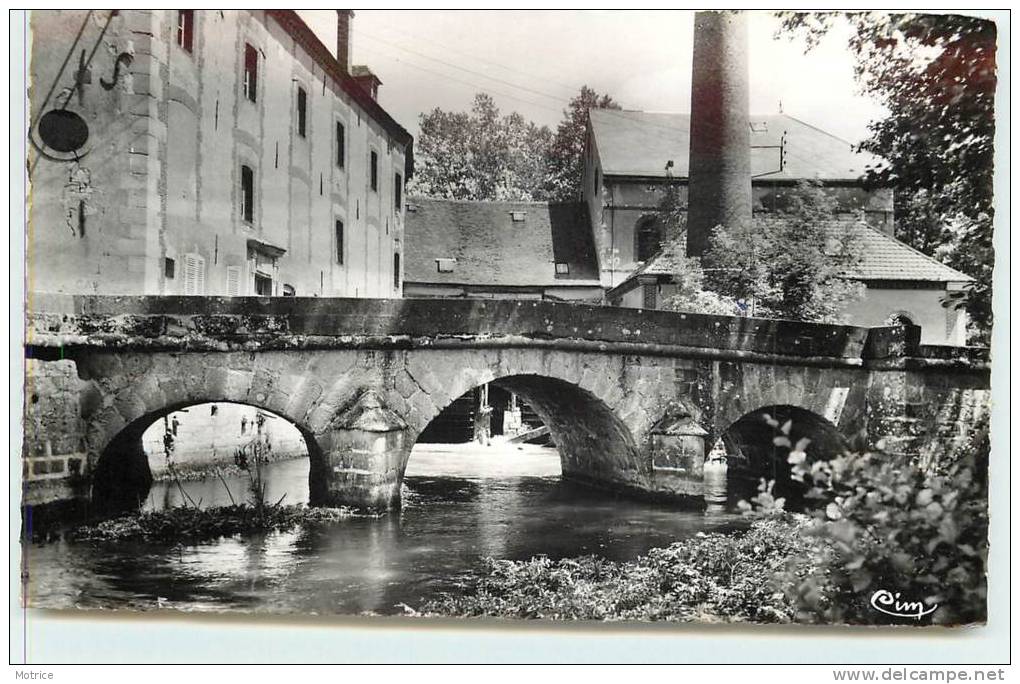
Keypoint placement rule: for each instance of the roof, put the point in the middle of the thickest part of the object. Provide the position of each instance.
(491, 248)
(882, 258)
(886, 258)
(304, 36)
(632, 143)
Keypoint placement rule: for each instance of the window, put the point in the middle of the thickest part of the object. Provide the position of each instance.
(233, 281)
(251, 72)
(445, 265)
(396, 270)
(339, 230)
(263, 285)
(562, 268)
(398, 191)
(649, 296)
(247, 194)
(647, 239)
(597, 179)
(518, 216)
(169, 266)
(374, 169)
(186, 29)
(288, 290)
(194, 274)
(302, 108)
(340, 144)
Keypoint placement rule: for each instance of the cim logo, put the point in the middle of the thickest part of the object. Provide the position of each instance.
(886, 602)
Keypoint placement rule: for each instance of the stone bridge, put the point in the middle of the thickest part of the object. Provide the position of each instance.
(634, 399)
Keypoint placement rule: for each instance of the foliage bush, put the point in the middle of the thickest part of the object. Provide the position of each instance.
(710, 577)
(888, 525)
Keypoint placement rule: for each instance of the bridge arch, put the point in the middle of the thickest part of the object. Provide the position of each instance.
(121, 476)
(753, 455)
(593, 441)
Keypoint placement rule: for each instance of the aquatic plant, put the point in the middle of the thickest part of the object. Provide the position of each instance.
(184, 523)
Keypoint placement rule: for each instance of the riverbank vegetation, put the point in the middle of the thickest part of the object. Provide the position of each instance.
(884, 536)
(190, 523)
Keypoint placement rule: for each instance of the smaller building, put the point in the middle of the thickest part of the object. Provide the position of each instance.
(506, 250)
(901, 285)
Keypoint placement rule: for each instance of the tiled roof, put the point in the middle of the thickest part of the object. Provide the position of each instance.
(490, 248)
(882, 257)
(886, 258)
(634, 143)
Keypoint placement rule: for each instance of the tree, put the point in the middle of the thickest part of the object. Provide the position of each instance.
(480, 155)
(935, 74)
(691, 294)
(793, 264)
(566, 154)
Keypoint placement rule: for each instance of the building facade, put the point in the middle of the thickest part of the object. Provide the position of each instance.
(208, 152)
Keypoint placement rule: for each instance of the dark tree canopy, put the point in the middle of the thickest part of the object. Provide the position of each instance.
(566, 154)
(935, 73)
(484, 155)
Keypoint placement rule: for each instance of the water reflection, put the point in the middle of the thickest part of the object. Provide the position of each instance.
(448, 523)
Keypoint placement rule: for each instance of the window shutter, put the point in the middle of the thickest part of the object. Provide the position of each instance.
(189, 274)
(200, 277)
(194, 274)
(233, 281)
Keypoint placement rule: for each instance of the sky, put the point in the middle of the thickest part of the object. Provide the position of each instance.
(533, 62)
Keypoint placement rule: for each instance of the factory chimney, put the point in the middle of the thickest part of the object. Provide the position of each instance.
(343, 39)
(720, 158)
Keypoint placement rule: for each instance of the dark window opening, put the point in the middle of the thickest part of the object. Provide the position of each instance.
(186, 29)
(650, 296)
(339, 145)
(169, 268)
(263, 286)
(596, 181)
(251, 72)
(374, 170)
(339, 228)
(648, 239)
(396, 270)
(288, 290)
(247, 194)
(398, 191)
(302, 108)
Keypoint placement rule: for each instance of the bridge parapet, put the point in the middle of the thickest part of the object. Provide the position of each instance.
(252, 323)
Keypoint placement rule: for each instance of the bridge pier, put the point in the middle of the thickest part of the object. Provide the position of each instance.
(362, 457)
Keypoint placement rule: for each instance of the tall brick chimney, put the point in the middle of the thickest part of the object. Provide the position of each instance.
(720, 163)
(343, 39)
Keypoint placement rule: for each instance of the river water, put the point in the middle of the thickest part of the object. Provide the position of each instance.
(460, 504)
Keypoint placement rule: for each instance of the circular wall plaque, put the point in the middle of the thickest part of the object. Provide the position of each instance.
(63, 131)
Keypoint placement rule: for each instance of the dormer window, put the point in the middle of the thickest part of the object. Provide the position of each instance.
(518, 216)
(445, 265)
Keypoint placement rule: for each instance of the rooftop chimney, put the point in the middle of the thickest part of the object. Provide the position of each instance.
(343, 39)
(720, 162)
